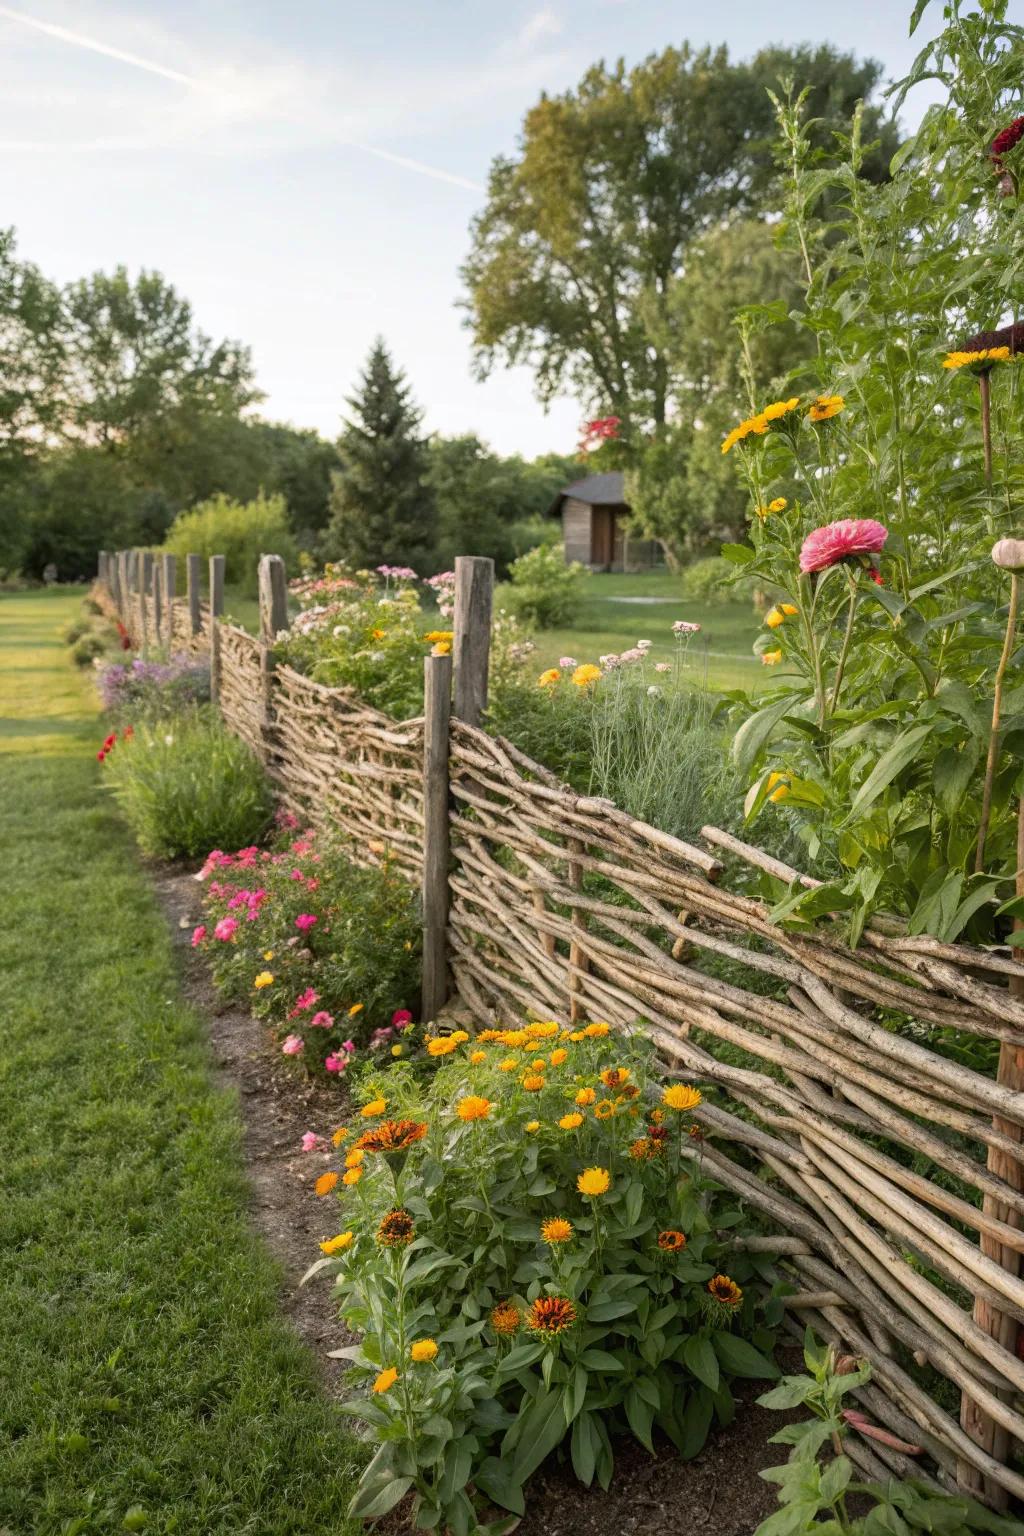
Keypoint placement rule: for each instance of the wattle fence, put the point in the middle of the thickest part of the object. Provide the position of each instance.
(888, 1176)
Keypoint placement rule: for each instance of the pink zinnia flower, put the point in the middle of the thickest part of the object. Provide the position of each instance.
(198, 935)
(226, 929)
(305, 1000)
(401, 1018)
(322, 1020)
(293, 1045)
(837, 541)
(305, 920)
(335, 1063)
(310, 1141)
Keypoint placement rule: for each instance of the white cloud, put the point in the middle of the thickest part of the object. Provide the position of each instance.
(542, 24)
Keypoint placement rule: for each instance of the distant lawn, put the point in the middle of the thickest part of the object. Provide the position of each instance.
(728, 630)
(147, 1378)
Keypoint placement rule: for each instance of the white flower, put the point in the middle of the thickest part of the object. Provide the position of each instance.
(643, 645)
(169, 741)
(662, 666)
(654, 692)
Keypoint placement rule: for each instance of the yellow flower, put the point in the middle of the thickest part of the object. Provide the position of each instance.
(396, 1050)
(604, 1110)
(436, 636)
(476, 1057)
(770, 658)
(422, 1350)
(778, 786)
(533, 1082)
(585, 675)
(442, 1046)
(514, 1037)
(264, 979)
(549, 678)
(538, 1065)
(571, 1122)
(509, 1064)
(340, 1134)
(505, 1317)
(594, 1181)
(442, 648)
(576, 1035)
(378, 634)
(778, 409)
(780, 614)
(337, 1244)
(556, 1229)
(557, 1057)
(778, 504)
(375, 1107)
(268, 954)
(487, 1035)
(386, 1380)
(541, 1030)
(585, 1096)
(325, 1183)
(531, 1126)
(355, 1157)
(755, 424)
(356, 1008)
(352, 1177)
(597, 1031)
(681, 1096)
(826, 406)
(725, 1291)
(614, 1077)
(472, 1107)
(986, 355)
(459, 1036)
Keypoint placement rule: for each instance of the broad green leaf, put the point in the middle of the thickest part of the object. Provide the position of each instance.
(378, 1498)
(740, 1358)
(738, 554)
(757, 728)
(700, 1358)
(495, 1478)
(584, 1448)
(542, 1427)
(892, 762)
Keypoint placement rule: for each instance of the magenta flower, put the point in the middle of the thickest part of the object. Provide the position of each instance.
(305, 920)
(838, 541)
(335, 1063)
(322, 1020)
(401, 1018)
(198, 935)
(293, 1045)
(310, 1141)
(304, 1000)
(226, 929)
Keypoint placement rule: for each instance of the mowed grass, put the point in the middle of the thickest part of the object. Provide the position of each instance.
(147, 1379)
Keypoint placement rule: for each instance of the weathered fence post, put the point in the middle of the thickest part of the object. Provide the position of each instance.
(216, 609)
(474, 598)
(170, 564)
(192, 576)
(437, 700)
(122, 586)
(158, 607)
(145, 579)
(273, 618)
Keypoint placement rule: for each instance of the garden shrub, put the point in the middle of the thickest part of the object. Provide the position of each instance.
(185, 784)
(325, 950)
(138, 689)
(88, 647)
(529, 1249)
(240, 531)
(545, 591)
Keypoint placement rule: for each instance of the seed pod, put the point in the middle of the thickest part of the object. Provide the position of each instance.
(1008, 554)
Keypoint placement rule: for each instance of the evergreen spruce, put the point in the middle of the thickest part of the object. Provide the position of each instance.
(382, 508)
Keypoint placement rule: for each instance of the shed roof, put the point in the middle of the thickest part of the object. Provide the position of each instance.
(607, 490)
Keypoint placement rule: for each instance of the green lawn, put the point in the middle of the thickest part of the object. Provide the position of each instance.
(606, 623)
(144, 1366)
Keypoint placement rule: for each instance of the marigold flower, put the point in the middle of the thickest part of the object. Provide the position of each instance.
(681, 1096)
(979, 361)
(476, 1057)
(725, 1291)
(753, 424)
(516, 1038)
(641, 1150)
(614, 1077)
(352, 1177)
(472, 1107)
(264, 979)
(559, 1056)
(435, 636)
(585, 1097)
(325, 1183)
(778, 409)
(770, 658)
(604, 1110)
(541, 1029)
(551, 1314)
(386, 1380)
(671, 1241)
(597, 1031)
(571, 1122)
(585, 675)
(594, 1181)
(531, 1126)
(780, 614)
(396, 1229)
(442, 1046)
(556, 1230)
(538, 1065)
(487, 1035)
(533, 1082)
(778, 504)
(340, 1134)
(423, 1350)
(375, 1107)
(506, 1317)
(824, 407)
(509, 1064)
(841, 540)
(398, 1050)
(390, 1136)
(549, 678)
(357, 1154)
(337, 1244)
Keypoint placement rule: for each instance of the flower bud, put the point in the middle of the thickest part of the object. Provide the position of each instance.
(1008, 554)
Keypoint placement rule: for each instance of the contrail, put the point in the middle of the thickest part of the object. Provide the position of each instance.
(76, 40)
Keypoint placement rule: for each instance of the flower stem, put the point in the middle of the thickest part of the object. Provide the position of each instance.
(848, 636)
(997, 704)
(986, 424)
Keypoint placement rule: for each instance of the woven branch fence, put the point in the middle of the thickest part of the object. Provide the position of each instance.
(888, 1177)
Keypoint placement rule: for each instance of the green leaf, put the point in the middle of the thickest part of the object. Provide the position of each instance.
(584, 1448)
(606, 1311)
(377, 1498)
(541, 1428)
(740, 1358)
(835, 1478)
(696, 1423)
(791, 1391)
(891, 763)
(756, 729)
(495, 1478)
(600, 1360)
(738, 554)
(700, 1358)
(640, 1417)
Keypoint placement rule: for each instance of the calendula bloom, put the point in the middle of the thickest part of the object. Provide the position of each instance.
(423, 1350)
(549, 678)
(979, 361)
(442, 648)
(541, 1029)
(778, 786)
(472, 1107)
(386, 1380)
(614, 1077)
(509, 1064)
(396, 1229)
(824, 407)
(442, 1046)
(585, 675)
(325, 1183)
(487, 1035)
(340, 1134)
(770, 658)
(642, 1149)
(398, 1050)
(550, 1314)
(355, 1158)
(352, 1177)
(337, 1244)
(532, 1126)
(390, 1136)
(604, 1110)
(436, 636)
(777, 504)
(594, 1181)
(585, 1097)
(516, 1038)
(681, 1096)
(506, 1318)
(538, 1064)
(597, 1031)
(848, 537)
(671, 1241)
(559, 1056)
(556, 1230)
(571, 1122)
(533, 1082)
(725, 1291)
(757, 425)
(264, 979)
(780, 614)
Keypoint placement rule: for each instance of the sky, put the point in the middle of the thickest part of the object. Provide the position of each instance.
(306, 172)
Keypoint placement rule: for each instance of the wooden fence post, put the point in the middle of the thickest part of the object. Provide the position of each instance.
(170, 564)
(122, 586)
(474, 597)
(145, 581)
(158, 606)
(192, 574)
(216, 609)
(273, 618)
(437, 699)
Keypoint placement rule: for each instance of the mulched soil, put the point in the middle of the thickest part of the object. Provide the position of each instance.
(719, 1490)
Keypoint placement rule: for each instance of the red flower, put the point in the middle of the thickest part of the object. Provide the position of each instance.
(837, 541)
(1008, 139)
(110, 741)
(100, 756)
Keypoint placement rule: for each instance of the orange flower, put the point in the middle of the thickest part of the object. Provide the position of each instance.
(725, 1291)
(681, 1096)
(472, 1107)
(550, 1314)
(557, 1057)
(325, 1183)
(585, 1097)
(353, 1176)
(671, 1241)
(533, 1082)
(556, 1229)
(391, 1136)
(375, 1107)
(506, 1317)
(396, 1229)
(386, 1380)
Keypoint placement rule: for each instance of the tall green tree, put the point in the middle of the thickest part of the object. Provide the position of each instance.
(587, 228)
(382, 508)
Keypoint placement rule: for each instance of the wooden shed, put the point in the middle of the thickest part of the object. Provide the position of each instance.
(594, 515)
